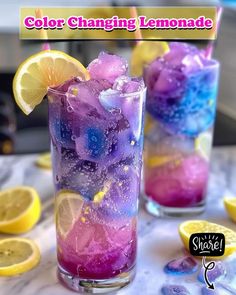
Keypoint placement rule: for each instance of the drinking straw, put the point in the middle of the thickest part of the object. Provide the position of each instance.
(210, 47)
(137, 32)
(43, 32)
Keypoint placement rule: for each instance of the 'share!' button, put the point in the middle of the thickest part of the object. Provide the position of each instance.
(207, 244)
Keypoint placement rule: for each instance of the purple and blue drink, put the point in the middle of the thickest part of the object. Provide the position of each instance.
(181, 105)
(96, 129)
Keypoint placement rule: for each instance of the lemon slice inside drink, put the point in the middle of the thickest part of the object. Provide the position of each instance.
(44, 161)
(144, 53)
(17, 255)
(203, 145)
(230, 206)
(40, 71)
(157, 161)
(20, 209)
(187, 228)
(67, 211)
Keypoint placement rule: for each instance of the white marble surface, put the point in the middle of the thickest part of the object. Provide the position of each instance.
(159, 241)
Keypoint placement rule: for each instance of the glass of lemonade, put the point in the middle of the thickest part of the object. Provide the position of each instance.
(96, 129)
(181, 104)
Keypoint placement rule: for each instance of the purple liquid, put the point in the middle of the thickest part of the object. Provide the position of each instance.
(96, 131)
(181, 102)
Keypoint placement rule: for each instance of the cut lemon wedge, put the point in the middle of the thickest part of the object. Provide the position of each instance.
(17, 255)
(44, 161)
(144, 53)
(20, 209)
(40, 71)
(67, 211)
(187, 228)
(230, 206)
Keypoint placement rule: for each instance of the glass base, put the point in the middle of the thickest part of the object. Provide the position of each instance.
(95, 286)
(160, 211)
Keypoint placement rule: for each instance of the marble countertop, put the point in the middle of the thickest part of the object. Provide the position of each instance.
(159, 241)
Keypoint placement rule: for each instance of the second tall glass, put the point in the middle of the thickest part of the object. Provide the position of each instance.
(181, 104)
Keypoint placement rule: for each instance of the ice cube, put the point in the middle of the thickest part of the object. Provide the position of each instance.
(207, 291)
(92, 143)
(178, 51)
(83, 97)
(217, 273)
(125, 84)
(181, 266)
(192, 63)
(108, 66)
(121, 198)
(169, 80)
(120, 82)
(110, 99)
(174, 290)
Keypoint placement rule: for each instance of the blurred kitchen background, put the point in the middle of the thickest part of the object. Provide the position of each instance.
(26, 134)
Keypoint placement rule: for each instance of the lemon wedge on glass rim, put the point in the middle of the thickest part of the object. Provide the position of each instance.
(187, 228)
(20, 209)
(145, 52)
(42, 70)
(17, 255)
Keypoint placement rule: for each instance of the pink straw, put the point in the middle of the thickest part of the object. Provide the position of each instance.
(138, 33)
(210, 48)
(43, 33)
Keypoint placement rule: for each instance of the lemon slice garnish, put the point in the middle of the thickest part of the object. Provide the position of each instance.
(17, 255)
(144, 53)
(40, 71)
(203, 145)
(67, 211)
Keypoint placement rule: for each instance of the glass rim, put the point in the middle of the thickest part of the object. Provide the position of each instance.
(66, 93)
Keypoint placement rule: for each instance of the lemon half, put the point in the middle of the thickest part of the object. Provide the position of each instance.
(230, 206)
(20, 209)
(44, 161)
(187, 228)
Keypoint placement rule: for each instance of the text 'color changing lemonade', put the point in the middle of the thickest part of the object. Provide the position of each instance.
(181, 103)
(96, 129)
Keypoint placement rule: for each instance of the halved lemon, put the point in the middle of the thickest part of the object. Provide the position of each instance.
(44, 161)
(67, 211)
(203, 145)
(17, 255)
(187, 228)
(230, 206)
(20, 209)
(40, 71)
(144, 53)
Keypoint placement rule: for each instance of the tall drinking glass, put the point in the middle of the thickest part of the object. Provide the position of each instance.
(96, 143)
(181, 104)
